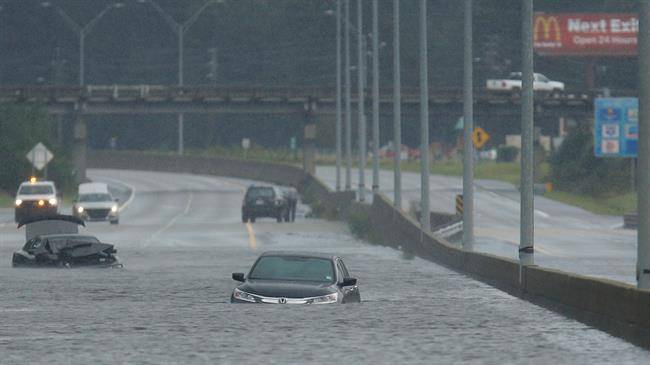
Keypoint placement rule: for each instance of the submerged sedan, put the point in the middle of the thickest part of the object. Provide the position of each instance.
(296, 278)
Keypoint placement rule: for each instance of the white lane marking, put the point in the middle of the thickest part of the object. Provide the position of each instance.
(252, 241)
(544, 215)
(173, 220)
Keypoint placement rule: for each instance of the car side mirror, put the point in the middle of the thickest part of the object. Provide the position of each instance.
(238, 276)
(349, 282)
(116, 200)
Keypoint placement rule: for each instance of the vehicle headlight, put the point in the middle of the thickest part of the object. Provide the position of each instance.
(41, 203)
(242, 295)
(326, 299)
(18, 202)
(80, 209)
(52, 201)
(114, 209)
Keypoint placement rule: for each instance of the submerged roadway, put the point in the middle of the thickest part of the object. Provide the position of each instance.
(180, 237)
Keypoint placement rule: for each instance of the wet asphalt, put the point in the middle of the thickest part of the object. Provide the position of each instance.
(181, 237)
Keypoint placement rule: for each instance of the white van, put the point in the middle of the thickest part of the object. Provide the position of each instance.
(95, 203)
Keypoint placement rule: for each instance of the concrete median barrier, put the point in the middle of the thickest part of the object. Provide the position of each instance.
(617, 308)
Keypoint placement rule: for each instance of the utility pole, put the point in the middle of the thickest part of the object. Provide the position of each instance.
(375, 96)
(468, 126)
(397, 108)
(425, 218)
(213, 66)
(57, 79)
(361, 50)
(348, 100)
(527, 220)
(339, 115)
(643, 192)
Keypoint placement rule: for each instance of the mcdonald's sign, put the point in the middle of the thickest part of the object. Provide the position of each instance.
(583, 34)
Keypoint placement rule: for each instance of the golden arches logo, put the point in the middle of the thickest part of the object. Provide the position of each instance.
(546, 24)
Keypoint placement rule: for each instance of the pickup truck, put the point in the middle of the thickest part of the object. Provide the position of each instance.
(513, 83)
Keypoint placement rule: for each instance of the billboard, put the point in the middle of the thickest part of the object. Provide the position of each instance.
(585, 34)
(616, 129)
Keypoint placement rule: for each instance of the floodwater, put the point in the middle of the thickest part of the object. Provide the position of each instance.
(181, 237)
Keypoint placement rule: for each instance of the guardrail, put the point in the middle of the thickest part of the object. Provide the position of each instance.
(153, 93)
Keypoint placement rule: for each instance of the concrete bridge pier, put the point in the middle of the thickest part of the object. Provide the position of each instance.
(80, 135)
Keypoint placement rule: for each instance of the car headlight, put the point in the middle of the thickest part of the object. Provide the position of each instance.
(41, 203)
(242, 295)
(326, 299)
(114, 209)
(52, 201)
(18, 202)
(80, 209)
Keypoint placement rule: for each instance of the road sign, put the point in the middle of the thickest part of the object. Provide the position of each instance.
(39, 156)
(480, 137)
(616, 129)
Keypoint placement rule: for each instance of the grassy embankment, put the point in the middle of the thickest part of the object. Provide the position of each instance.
(508, 172)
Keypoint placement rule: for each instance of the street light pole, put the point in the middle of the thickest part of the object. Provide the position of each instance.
(527, 237)
(643, 211)
(425, 219)
(375, 97)
(361, 48)
(338, 95)
(179, 29)
(468, 126)
(82, 32)
(348, 100)
(397, 108)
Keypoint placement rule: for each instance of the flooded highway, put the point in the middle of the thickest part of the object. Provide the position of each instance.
(180, 238)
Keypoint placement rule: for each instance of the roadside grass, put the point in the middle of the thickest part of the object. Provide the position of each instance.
(500, 171)
(6, 200)
(612, 205)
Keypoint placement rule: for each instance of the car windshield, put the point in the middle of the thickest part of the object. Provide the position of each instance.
(515, 76)
(293, 268)
(35, 190)
(260, 193)
(98, 197)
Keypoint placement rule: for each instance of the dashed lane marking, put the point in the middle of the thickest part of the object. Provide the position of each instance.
(173, 220)
(251, 236)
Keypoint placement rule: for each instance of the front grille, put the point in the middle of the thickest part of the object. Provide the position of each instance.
(97, 213)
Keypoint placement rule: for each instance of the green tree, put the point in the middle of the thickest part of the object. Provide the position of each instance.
(575, 168)
(21, 127)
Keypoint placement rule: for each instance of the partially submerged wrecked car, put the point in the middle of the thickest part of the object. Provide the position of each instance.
(55, 242)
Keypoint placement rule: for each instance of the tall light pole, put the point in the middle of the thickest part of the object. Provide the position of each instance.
(348, 100)
(397, 107)
(468, 126)
(82, 31)
(180, 29)
(338, 95)
(361, 51)
(425, 219)
(375, 96)
(643, 238)
(527, 237)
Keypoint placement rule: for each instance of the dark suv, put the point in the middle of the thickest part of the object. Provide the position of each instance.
(263, 201)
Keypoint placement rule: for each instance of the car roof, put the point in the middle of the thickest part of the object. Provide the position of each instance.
(49, 183)
(317, 255)
(91, 188)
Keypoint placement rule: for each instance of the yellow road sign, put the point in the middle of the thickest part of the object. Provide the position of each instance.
(480, 137)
